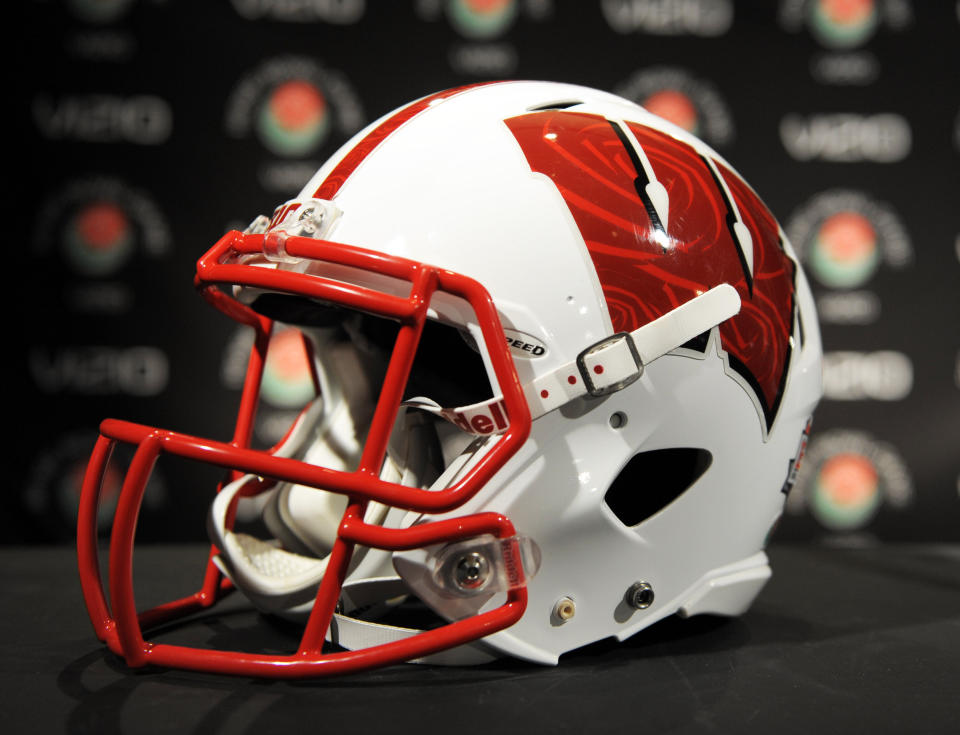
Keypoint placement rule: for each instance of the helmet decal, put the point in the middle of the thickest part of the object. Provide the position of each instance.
(654, 251)
(348, 164)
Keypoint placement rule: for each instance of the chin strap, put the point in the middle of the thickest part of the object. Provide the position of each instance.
(604, 367)
(376, 596)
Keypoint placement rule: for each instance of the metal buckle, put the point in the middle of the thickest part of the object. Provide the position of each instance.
(588, 380)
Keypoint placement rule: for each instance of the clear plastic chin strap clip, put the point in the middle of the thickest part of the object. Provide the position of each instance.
(312, 218)
(485, 565)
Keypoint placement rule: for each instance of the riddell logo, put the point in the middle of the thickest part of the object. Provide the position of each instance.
(688, 102)
(669, 17)
(481, 20)
(847, 477)
(489, 419)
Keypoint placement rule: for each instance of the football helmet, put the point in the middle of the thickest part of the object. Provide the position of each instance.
(565, 362)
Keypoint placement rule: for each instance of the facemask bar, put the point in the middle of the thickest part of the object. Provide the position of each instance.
(121, 626)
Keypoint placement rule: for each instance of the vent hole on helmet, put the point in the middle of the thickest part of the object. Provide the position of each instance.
(650, 481)
(563, 105)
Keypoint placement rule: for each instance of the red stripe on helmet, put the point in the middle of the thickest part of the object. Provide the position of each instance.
(348, 164)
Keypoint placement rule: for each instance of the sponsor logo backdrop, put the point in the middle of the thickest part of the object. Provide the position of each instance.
(146, 128)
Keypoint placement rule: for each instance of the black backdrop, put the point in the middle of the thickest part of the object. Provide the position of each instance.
(145, 128)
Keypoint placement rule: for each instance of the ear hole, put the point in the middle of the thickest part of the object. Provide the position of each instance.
(650, 481)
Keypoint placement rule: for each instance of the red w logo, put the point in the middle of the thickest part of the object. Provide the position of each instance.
(664, 223)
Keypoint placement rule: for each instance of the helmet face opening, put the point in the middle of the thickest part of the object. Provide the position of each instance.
(554, 363)
(279, 579)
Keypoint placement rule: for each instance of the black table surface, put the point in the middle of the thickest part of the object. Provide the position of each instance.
(842, 640)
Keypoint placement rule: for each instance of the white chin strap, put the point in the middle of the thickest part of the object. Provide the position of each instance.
(377, 595)
(604, 367)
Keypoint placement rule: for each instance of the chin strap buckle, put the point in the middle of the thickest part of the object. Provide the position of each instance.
(610, 365)
(604, 367)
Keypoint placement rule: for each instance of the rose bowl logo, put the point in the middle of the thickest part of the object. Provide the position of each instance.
(287, 376)
(481, 20)
(844, 237)
(293, 119)
(844, 251)
(675, 106)
(683, 99)
(98, 222)
(287, 384)
(294, 107)
(846, 479)
(846, 492)
(51, 494)
(98, 238)
(95, 227)
(842, 24)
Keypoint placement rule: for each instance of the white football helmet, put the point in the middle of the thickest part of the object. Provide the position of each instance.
(565, 361)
